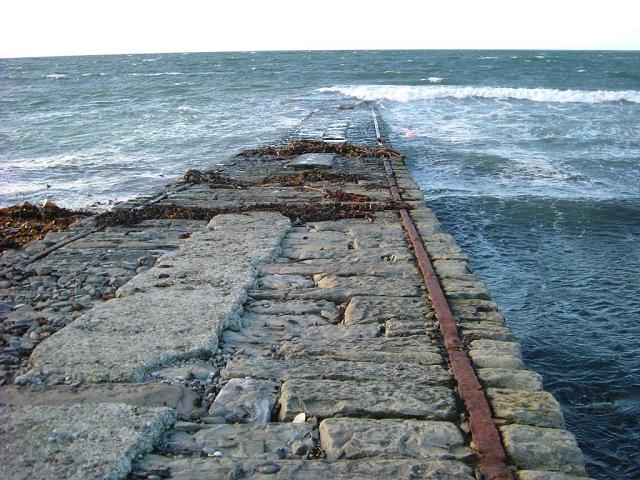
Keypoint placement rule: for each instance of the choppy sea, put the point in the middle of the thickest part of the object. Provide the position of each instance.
(531, 159)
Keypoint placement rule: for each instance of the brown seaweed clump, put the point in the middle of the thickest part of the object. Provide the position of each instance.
(299, 179)
(19, 224)
(212, 178)
(345, 149)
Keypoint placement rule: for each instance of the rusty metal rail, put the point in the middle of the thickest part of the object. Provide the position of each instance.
(486, 439)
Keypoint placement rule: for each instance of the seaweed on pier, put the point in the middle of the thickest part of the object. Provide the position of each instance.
(345, 149)
(301, 178)
(296, 211)
(19, 224)
(212, 178)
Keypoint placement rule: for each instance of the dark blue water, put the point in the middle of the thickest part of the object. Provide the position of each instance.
(530, 159)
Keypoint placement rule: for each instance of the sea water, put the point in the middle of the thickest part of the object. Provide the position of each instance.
(531, 159)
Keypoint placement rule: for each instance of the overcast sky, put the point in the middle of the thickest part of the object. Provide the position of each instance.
(80, 27)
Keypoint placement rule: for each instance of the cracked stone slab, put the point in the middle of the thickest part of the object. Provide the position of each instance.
(245, 401)
(352, 438)
(90, 441)
(538, 408)
(158, 320)
(329, 369)
(190, 468)
(329, 398)
(372, 309)
(274, 441)
(538, 448)
(183, 400)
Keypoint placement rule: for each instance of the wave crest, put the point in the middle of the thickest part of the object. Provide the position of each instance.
(408, 93)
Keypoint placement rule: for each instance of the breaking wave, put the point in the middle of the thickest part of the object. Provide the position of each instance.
(407, 93)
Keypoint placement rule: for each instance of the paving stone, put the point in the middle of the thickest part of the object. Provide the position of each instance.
(314, 160)
(537, 408)
(329, 369)
(352, 438)
(396, 328)
(485, 330)
(396, 287)
(289, 307)
(539, 475)
(495, 354)
(463, 288)
(537, 448)
(510, 379)
(245, 401)
(184, 400)
(313, 267)
(191, 468)
(121, 339)
(328, 398)
(415, 349)
(90, 441)
(451, 267)
(279, 282)
(274, 441)
(371, 309)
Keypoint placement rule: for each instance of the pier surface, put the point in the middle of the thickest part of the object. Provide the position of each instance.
(266, 319)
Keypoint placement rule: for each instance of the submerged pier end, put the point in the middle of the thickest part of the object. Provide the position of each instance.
(296, 312)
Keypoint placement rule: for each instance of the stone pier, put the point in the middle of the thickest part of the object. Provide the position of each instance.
(265, 319)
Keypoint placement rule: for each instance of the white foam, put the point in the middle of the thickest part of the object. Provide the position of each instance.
(157, 74)
(408, 93)
(186, 108)
(56, 75)
(435, 79)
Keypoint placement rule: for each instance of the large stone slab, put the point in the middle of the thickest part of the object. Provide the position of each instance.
(245, 400)
(313, 160)
(415, 349)
(526, 407)
(159, 319)
(351, 438)
(496, 354)
(330, 369)
(537, 448)
(319, 266)
(329, 398)
(373, 309)
(540, 475)
(77, 441)
(183, 400)
(274, 441)
(508, 378)
(191, 468)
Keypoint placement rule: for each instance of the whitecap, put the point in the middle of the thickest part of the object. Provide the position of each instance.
(187, 108)
(408, 93)
(435, 79)
(56, 75)
(156, 74)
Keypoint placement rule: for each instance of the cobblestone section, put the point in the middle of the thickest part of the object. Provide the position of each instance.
(304, 348)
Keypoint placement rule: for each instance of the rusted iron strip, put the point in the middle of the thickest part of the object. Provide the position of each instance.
(486, 439)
